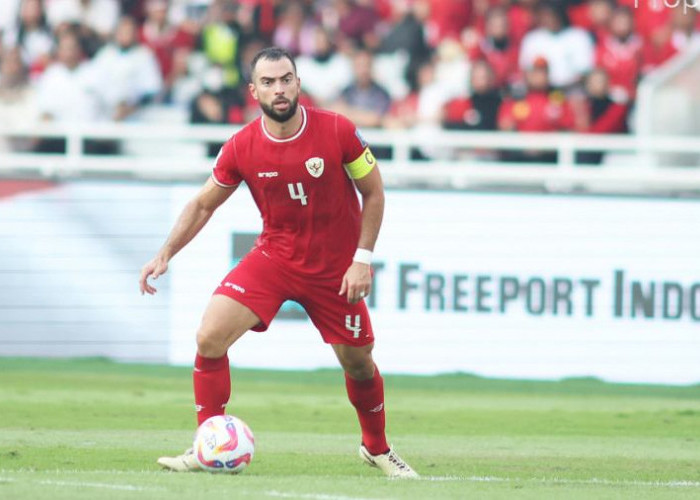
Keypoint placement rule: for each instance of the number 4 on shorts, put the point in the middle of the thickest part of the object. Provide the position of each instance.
(353, 326)
(297, 192)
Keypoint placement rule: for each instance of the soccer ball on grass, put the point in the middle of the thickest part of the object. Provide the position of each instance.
(224, 443)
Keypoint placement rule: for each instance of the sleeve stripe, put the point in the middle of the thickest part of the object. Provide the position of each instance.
(221, 184)
(362, 165)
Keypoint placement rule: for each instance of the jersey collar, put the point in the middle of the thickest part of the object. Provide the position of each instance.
(290, 138)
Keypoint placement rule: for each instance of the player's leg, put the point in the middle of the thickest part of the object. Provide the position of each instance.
(224, 322)
(365, 388)
(347, 327)
(248, 298)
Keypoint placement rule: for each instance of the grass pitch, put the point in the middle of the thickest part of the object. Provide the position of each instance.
(93, 429)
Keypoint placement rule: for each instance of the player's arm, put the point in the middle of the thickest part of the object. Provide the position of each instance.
(192, 219)
(357, 282)
(371, 189)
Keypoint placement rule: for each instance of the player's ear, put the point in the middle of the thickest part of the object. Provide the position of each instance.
(253, 91)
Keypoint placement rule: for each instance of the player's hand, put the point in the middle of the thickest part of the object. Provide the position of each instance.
(357, 282)
(156, 267)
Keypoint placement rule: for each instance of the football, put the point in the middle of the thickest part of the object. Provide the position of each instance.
(224, 443)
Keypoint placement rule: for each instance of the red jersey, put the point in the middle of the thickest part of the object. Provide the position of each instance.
(504, 63)
(536, 112)
(302, 186)
(622, 60)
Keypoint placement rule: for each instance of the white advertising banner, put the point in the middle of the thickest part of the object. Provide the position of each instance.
(500, 285)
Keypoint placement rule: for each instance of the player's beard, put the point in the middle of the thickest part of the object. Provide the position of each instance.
(284, 116)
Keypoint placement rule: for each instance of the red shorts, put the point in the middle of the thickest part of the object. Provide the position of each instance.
(263, 286)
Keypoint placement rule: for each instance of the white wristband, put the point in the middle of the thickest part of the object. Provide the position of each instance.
(363, 256)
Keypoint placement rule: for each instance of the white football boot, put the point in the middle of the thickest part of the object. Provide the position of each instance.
(389, 463)
(181, 463)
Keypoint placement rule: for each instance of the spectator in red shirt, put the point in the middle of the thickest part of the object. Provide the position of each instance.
(541, 110)
(596, 112)
(650, 16)
(170, 44)
(680, 33)
(521, 17)
(447, 19)
(620, 54)
(593, 16)
(497, 47)
(357, 22)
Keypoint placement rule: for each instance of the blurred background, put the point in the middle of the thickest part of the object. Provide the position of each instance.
(542, 160)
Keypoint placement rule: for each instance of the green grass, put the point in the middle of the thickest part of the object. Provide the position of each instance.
(92, 429)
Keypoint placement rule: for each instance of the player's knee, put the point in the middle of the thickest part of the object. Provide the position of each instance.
(360, 369)
(210, 344)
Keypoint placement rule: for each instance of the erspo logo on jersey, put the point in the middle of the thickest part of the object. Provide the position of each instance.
(315, 166)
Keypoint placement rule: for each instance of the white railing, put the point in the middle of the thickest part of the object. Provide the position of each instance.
(177, 152)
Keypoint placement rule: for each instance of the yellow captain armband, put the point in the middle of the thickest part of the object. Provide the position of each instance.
(362, 165)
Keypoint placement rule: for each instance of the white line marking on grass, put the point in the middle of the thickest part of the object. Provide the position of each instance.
(555, 480)
(311, 496)
(81, 484)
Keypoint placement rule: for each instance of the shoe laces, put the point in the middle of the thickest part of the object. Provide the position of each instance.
(396, 460)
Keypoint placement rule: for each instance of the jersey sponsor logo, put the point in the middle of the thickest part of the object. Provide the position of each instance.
(315, 166)
(238, 288)
(353, 326)
(268, 174)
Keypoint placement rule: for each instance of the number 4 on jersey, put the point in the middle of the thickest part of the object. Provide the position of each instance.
(297, 192)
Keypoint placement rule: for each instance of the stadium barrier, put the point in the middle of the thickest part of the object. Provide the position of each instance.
(460, 159)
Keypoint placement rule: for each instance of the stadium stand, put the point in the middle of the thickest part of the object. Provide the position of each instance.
(410, 71)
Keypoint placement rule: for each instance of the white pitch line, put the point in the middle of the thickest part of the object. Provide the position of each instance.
(311, 496)
(555, 480)
(82, 484)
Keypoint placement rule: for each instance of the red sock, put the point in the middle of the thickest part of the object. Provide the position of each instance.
(212, 386)
(367, 396)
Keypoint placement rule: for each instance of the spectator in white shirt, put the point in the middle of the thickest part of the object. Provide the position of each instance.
(100, 16)
(325, 73)
(66, 91)
(685, 32)
(128, 71)
(32, 35)
(17, 102)
(8, 16)
(569, 51)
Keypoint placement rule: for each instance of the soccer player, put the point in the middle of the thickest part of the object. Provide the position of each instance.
(302, 167)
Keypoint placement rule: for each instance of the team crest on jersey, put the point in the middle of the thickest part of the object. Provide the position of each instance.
(315, 166)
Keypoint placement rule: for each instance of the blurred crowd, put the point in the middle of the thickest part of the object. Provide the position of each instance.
(523, 65)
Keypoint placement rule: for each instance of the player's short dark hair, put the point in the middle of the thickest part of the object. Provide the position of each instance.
(272, 54)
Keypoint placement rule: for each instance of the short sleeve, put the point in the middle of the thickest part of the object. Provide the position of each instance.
(357, 157)
(225, 172)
